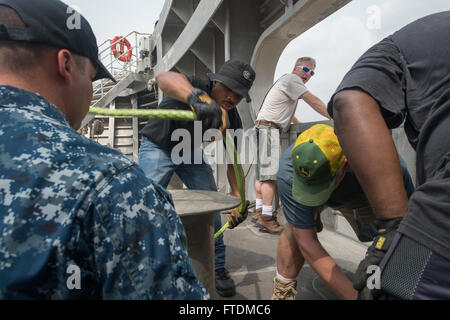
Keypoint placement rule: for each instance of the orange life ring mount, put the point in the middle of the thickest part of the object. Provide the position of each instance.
(122, 55)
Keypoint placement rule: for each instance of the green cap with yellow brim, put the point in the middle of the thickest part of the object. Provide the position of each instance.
(316, 157)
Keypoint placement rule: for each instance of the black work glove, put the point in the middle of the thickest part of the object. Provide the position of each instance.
(376, 252)
(235, 218)
(206, 109)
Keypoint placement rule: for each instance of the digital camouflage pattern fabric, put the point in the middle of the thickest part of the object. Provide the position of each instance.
(68, 203)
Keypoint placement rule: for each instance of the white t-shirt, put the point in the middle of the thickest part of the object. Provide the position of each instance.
(281, 101)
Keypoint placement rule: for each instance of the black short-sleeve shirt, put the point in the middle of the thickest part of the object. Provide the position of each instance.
(408, 74)
(159, 131)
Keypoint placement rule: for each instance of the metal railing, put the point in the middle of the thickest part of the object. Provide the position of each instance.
(118, 69)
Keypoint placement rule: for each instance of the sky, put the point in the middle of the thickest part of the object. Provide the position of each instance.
(110, 18)
(336, 42)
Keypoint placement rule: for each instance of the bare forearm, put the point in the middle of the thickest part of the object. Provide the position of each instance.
(316, 104)
(328, 270)
(175, 85)
(321, 108)
(368, 145)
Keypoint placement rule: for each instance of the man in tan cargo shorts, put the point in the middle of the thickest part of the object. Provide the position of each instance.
(276, 115)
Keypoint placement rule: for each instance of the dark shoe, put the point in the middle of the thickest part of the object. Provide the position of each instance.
(224, 284)
(256, 214)
(270, 224)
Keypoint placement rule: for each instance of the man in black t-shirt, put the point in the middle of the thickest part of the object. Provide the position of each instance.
(226, 88)
(405, 77)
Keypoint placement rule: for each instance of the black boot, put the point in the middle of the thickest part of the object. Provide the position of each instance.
(224, 284)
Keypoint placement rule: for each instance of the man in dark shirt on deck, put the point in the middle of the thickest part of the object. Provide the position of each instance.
(226, 88)
(405, 77)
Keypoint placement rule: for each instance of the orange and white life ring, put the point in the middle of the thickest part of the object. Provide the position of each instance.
(122, 55)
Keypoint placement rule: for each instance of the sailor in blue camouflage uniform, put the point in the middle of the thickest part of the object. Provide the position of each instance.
(77, 220)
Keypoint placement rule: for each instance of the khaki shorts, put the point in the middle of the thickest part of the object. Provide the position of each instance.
(268, 152)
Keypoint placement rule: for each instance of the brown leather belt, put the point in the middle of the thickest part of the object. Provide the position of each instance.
(267, 123)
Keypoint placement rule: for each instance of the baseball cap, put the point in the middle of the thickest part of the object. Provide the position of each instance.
(316, 157)
(237, 76)
(48, 22)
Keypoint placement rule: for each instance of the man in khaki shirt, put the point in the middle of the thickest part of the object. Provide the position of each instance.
(276, 114)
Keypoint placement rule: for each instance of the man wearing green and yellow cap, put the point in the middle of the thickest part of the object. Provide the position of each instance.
(314, 174)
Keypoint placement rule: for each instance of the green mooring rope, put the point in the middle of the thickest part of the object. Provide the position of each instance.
(188, 116)
(153, 113)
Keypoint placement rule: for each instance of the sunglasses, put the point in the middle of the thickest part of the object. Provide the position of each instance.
(307, 70)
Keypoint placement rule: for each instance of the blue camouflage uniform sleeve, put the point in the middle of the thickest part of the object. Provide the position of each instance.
(140, 243)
